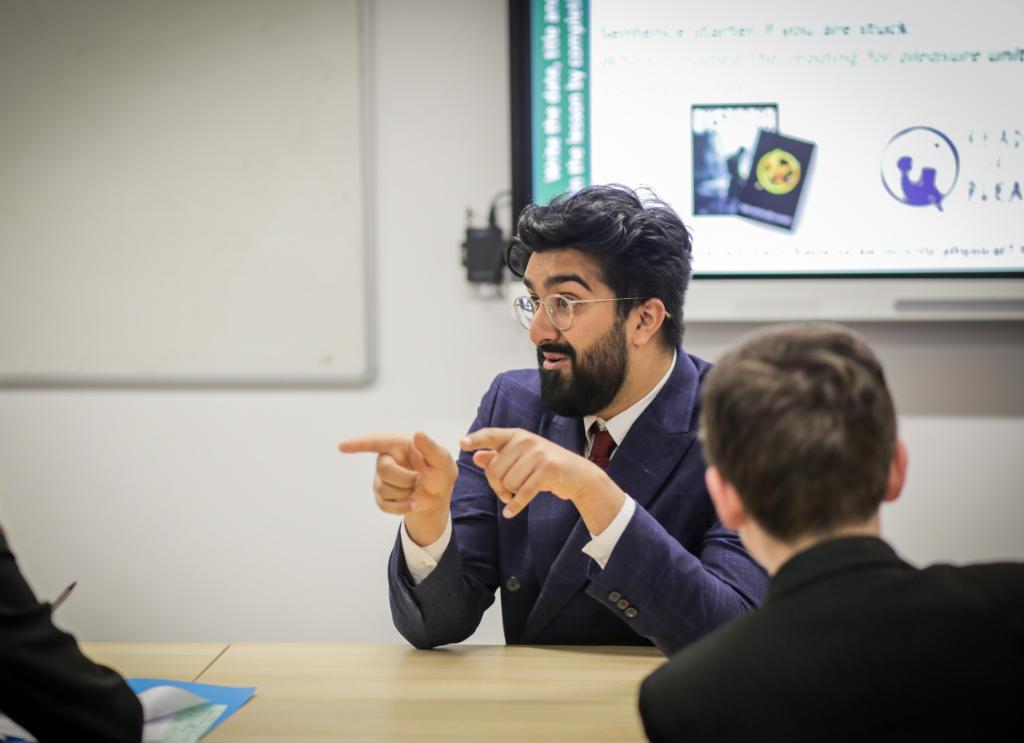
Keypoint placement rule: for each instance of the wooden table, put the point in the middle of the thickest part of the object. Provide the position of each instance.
(181, 661)
(325, 692)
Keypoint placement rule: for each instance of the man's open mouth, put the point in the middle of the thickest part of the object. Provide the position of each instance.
(554, 360)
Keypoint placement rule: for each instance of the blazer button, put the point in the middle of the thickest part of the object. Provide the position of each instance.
(614, 596)
(622, 604)
(513, 584)
(630, 613)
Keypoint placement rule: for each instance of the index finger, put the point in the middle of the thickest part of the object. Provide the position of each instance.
(433, 453)
(487, 438)
(377, 443)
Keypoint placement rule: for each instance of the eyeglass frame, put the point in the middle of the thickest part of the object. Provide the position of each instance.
(572, 307)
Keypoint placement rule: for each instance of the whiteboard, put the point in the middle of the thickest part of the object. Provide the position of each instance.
(184, 193)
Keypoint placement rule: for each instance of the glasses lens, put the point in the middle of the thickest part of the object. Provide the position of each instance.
(523, 308)
(561, 311)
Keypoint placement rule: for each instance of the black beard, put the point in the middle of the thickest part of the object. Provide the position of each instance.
(596, 378)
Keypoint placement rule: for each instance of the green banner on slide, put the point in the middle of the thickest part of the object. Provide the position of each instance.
(560, 73)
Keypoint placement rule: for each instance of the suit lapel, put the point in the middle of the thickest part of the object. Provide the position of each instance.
(660, 437)
(647, 456)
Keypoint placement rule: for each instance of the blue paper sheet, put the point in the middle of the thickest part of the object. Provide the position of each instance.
(232, 696)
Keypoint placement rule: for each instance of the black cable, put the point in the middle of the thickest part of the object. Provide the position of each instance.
(492, 216)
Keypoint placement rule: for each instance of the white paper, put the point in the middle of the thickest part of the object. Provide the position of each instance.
(161, 701)
(171, 714)
(10, 729)
(186, 726)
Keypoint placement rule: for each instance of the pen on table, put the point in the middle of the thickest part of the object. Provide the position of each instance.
(63, 597)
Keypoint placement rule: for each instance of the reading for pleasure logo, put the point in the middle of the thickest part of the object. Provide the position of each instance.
(920, 167)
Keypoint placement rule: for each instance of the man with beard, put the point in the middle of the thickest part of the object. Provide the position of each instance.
(620, 543)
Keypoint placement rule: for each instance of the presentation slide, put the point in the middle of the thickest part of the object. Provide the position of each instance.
(795, 138)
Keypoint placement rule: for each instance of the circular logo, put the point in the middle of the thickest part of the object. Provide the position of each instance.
(778, 171)
(920, 167)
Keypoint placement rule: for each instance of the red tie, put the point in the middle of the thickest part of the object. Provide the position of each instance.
(602, 447)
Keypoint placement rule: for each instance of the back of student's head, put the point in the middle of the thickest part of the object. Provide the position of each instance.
(799, 420)
(640, 244)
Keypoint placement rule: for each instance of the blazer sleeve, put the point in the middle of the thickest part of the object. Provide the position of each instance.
(46, 684)
(447, 606)
(678, 595)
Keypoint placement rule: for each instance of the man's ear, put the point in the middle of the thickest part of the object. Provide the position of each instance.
(647, 321)
(726, 499)
(897, 472)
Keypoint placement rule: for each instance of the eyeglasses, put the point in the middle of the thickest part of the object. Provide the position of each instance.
(560, 309)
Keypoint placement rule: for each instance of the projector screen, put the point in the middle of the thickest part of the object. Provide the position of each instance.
(872, 139)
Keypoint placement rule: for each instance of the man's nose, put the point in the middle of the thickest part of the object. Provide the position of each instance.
(541, 329)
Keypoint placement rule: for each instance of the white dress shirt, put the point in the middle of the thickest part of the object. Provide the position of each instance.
(421, 561)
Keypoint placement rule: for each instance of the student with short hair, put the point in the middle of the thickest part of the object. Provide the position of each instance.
(851, 643)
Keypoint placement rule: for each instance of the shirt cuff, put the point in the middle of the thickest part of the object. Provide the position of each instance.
(421, 561)
(600, 547)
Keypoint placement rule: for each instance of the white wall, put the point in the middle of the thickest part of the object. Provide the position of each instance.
(229, 516)
(957, 387)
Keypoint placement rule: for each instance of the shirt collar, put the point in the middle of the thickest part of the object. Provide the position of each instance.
(618, 425)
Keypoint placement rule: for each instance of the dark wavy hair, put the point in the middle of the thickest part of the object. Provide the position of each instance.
(642, 247)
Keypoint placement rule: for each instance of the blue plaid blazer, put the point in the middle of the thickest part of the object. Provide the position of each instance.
(675, 574)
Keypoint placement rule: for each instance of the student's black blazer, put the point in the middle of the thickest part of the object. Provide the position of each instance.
(852, 643)
(46, 685)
